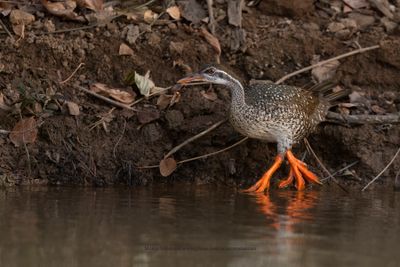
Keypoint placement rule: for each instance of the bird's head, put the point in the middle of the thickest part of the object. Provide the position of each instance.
(209, 74)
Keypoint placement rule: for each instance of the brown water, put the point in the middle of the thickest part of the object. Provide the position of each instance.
(185, 225)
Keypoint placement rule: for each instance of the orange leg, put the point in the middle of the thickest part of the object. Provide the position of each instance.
(287, 181)
(300, 170)
(265, 180)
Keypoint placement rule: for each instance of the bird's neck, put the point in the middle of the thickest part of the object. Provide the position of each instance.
(237, 91)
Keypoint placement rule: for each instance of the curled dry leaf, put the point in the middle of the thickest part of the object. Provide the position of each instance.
(144, 83)
(73, 108)
(163, 101)
(63, 9)
(95, 5)
(210, 95)
(149, 16)
(117, 94)
(125, 50)
(326, 71)
(24, 132)
(212, 40)
(3, 105)
(167, 166)
(174, 12)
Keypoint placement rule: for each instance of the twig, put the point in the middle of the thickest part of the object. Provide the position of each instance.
(119, 140)
(363, 119)
(211, 23)
(191, 139)
(214, 153)
(341, 170)
(309, 148)
(73, 73)
(106, 99)
(150, 95)
(6, 30)
(4, 131)
(387, 166)
(200, 157)
(361, 50)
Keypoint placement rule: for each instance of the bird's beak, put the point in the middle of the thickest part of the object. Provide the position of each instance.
(192, 78)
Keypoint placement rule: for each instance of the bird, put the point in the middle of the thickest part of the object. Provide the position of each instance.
(270, 112)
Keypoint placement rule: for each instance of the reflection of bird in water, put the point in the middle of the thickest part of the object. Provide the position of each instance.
(275, 113)
(287, 208)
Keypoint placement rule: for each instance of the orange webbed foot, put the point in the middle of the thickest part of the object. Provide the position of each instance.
(264, 183)
(300, 171)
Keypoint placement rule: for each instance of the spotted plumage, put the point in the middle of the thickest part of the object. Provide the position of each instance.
(275, 113)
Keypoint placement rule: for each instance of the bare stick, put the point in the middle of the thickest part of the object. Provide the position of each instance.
(191, 139)
(106, 99)
(211, 23)
(341, 170)
(361, 50)
(6, 30)
(379, 175)
(4, 131)
(363, 119)
(309, 148)
(202, 156)
(119, 140)
(73, 73)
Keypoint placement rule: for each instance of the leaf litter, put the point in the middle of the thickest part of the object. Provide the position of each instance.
(116, 93)
(24, 132)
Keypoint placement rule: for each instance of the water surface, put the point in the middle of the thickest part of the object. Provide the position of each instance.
(186, 225)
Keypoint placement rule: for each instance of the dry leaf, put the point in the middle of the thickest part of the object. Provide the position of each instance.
(148, 115)
(175, 98)
(212, 40)
(118, 94)
(167, 166)
(63, 9)
(356, 4)
(95, 5)
(73, 108)
(174, 12)
(210, 95)
(21, 17)
(326, 71)
(163, 101)
(125, 50)
(3, 105)
(25, 131)
(149, 16)
(144, 83)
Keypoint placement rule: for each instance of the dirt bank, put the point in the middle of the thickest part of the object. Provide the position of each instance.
(272, 43)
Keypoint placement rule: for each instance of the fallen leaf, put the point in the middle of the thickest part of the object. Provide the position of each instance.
(356, 4)
(63, 9)
(21, 17)
(144, 83)
(210, 95)
(192, 11)
(164, 100)
(73, 108)
(95, 5)
(3, 105)
(125, 50)
(147, 115)
(326, 71)
(149, 16)
(175, 98)
(378, 110)
(174, 12)
(212, 40)
(19, 29)
(118, 94)
(24, 132)
(167, 166)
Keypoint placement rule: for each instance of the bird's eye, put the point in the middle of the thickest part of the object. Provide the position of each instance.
(210, 71)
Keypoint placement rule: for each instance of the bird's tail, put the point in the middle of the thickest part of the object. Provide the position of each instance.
(323, 90)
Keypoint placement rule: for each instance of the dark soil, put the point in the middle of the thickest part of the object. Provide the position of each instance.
(278, 41)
